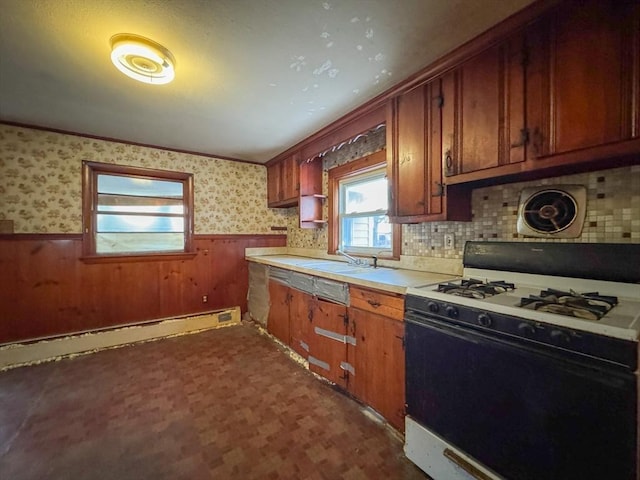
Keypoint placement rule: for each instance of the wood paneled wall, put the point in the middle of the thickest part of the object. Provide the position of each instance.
(46, 290)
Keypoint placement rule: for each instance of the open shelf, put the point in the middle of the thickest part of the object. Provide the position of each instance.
(311, 198)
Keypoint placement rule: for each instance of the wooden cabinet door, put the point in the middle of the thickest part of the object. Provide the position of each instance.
(278, 320)
(327, 347)
(274, 188)
(414, 160)
(283, 182)
(291, 178)
(378, 364)
(590, 87)
(301, 314)
(409, 154)
(484, 123)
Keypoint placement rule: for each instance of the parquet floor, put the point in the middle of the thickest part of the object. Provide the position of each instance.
(222, 404)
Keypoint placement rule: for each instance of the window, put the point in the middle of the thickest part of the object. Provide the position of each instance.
(134, 211)
(358, 209)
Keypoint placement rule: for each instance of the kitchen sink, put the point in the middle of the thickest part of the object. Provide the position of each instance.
(336, 267)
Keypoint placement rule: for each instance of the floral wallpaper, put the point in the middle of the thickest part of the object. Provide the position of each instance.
(41, 188)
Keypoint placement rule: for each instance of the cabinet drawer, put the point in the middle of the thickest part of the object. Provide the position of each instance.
(387, 304)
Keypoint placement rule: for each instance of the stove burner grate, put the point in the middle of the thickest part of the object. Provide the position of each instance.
(473, 288)
(588, 306)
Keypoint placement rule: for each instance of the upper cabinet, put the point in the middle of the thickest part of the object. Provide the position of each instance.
(483, 105)
(565, 91)
(283, 182)
(414, 168)
(584, 91)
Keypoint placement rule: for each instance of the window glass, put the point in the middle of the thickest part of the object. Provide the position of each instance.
(364, 226)
(132, 213)
(138, 186)
(365, 195)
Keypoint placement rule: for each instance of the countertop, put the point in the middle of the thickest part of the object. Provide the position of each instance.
(395, 280)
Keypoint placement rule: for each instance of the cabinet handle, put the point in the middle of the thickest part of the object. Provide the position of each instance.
(466, 466)
(537, 141)
(310, 315)
(448, 161)
(440, 191)
(373, 303)
(524, 138)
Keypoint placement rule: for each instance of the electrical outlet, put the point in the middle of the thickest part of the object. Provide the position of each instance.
(449, 241)
(205, 298)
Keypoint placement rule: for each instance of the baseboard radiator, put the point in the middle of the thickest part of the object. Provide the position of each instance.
(50, 349)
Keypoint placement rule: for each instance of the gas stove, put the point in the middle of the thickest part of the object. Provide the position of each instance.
(604, 307)
(531, 332)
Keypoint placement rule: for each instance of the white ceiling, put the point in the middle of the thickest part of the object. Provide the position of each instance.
(253, 77)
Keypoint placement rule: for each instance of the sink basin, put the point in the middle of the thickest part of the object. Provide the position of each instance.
(336, 267)
(354, 270)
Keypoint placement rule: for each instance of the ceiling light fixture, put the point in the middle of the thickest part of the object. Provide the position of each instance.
(142, 59)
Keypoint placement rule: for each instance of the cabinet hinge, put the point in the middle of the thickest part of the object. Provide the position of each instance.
(525, 57)
(524, 138)
(345, 318)
(403, 338)
(441, 190)
(440, 100)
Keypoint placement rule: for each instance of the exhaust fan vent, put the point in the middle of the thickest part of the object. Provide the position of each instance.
(552, 212)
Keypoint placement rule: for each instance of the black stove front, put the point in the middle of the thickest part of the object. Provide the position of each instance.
(525, 411)
(527, 400)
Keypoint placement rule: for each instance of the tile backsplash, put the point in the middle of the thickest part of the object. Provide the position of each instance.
(613, 214)
(613, 210)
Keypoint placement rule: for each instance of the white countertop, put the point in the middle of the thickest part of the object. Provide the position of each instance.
(394, 280)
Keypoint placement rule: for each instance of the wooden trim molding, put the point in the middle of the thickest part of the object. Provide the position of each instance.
(197, 236)
(40, 236)
(240, 236)
(356, 167)
(151, 257)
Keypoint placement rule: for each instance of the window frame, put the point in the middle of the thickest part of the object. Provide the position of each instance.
(90, 172)
(352, 169)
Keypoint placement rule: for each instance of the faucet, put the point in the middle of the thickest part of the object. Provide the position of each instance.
(361, 262)
(352, 260)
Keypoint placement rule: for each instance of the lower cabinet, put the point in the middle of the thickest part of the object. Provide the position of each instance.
(359, 348)
(289, 316)
(328, 342)
(278, 320)
(378, 364)
(300, 311)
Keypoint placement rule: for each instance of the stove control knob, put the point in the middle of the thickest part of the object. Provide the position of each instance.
(559, 337)
(527, 329)
(433, 307)
(452, 312)
(485, 320)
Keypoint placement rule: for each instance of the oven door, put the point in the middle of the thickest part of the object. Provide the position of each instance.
(524, 412)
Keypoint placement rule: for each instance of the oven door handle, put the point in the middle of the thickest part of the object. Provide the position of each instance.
(597, 370)
(471, 469)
